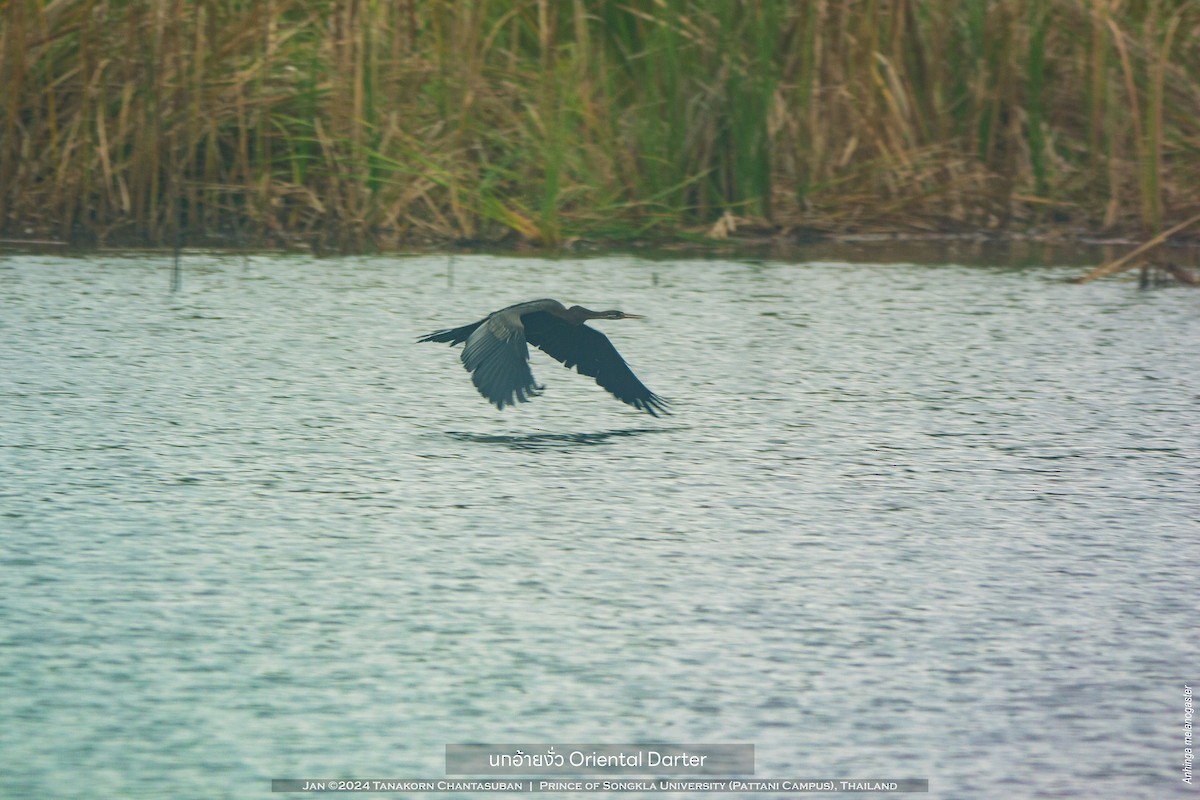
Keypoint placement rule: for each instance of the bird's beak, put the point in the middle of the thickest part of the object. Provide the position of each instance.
(633, 316)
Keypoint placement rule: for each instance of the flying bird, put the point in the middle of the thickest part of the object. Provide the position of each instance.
(497, 355)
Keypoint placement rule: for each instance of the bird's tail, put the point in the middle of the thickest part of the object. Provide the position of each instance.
(452, 336)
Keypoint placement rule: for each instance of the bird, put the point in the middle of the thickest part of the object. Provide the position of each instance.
(497, 353)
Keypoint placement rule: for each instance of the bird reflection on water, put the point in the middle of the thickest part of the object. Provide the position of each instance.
(553, 441)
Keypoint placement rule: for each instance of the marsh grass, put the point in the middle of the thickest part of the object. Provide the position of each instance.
(363, 123)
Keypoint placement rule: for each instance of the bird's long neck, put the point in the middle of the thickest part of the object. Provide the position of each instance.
(578, 314)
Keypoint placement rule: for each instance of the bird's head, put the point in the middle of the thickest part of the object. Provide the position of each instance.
(579, 314)
(617, 315)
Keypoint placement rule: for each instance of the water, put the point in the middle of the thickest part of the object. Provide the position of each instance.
(928, 521)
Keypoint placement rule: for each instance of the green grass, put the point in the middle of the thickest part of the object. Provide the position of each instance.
(365, 124)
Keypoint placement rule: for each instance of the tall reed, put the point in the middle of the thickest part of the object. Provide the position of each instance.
(361, 123)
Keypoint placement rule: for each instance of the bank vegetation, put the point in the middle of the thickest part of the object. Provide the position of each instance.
(362, 123)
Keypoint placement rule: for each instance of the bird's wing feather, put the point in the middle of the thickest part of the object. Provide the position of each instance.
(498, 359)
(453, 336)
(592, 354)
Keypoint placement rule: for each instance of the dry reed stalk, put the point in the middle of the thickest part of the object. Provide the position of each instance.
(1127, 261)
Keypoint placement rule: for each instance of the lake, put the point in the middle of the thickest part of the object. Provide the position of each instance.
(911, 520)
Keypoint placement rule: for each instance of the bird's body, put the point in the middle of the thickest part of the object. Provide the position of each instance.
(497, 353)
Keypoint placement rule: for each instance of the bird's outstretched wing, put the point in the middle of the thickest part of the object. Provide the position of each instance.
(592, 354)
(498, 359)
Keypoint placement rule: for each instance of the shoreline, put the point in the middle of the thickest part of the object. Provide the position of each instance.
(747, 237)
(1158, 260)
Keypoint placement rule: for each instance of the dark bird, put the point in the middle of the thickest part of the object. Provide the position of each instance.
(497, 356)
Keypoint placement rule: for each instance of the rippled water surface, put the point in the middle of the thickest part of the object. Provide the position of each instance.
(928, 521)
